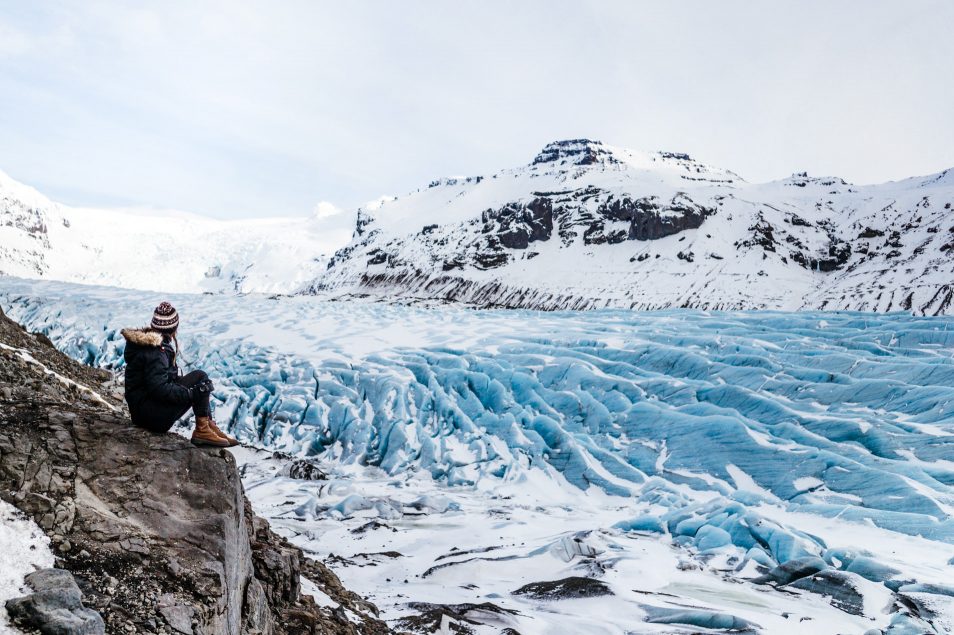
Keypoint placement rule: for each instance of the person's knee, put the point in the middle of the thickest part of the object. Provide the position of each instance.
(199, 375)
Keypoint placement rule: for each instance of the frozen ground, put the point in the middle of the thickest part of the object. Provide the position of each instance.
(769, 472)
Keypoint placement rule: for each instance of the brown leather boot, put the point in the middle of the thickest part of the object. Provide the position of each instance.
(232, 440)
(205, 435)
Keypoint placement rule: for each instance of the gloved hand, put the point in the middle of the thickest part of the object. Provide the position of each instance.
(204, 386)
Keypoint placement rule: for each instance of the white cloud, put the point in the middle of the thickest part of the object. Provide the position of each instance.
(376, 203)
(13, 43)
(242, 108)
(324, 209)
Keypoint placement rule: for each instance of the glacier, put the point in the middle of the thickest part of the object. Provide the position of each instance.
(807, 453)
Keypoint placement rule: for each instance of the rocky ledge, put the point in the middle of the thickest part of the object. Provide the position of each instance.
(157, 534)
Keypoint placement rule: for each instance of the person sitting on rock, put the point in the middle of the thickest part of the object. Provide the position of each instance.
(157, 395)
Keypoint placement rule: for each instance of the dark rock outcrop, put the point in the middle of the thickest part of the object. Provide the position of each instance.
(795, 569)
(304, 470)
(158, 533)
(433, 618)
(575, 152)
(567, 588)
(516, 225)
(650, 220)
(55, 607)
(839, 586)
(838, 254)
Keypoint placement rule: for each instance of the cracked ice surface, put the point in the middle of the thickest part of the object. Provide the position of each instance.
(749, 440)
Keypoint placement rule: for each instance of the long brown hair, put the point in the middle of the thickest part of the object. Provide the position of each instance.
(175, 354)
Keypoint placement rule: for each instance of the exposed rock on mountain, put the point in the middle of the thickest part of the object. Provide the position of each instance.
(587, 225)
(157, 533)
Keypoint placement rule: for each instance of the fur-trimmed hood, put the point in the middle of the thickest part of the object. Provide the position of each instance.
(152, 378)
(142, 337)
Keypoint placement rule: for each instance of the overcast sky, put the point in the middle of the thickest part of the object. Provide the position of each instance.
(239, 109)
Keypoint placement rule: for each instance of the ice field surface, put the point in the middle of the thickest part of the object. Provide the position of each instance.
(697, 463)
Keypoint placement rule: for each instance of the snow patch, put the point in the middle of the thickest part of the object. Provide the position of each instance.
(24, 548)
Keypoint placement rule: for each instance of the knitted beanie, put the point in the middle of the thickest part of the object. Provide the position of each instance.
(165, 319)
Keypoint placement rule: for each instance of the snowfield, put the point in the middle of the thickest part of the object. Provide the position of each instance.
(171, 250)
(607, 471)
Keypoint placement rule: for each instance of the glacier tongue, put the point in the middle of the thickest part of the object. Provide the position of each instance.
(751, 439)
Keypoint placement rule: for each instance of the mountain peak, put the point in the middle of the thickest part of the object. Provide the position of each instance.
(575, 152)
(589, 152)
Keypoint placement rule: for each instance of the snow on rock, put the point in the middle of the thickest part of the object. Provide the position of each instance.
(515, 447)
(24, 548)
(66, 381)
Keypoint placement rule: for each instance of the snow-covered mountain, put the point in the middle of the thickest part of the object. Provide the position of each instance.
(175, 252)
(588, 225)
(584, 225)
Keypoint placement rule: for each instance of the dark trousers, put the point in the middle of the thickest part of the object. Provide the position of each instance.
(159, 416)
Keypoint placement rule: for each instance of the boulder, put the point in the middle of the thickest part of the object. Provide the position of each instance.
(567, 588)
(792, 570)
(840, 587)
(55, 607)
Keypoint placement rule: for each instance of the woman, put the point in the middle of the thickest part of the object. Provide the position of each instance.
(156, 394)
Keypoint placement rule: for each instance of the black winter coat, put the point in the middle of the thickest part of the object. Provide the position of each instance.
(151, 372)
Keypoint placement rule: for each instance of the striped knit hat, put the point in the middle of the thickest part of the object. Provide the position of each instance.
(165, 319)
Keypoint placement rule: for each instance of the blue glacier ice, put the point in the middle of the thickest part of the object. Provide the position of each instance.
(699, 618)
(839, 415)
